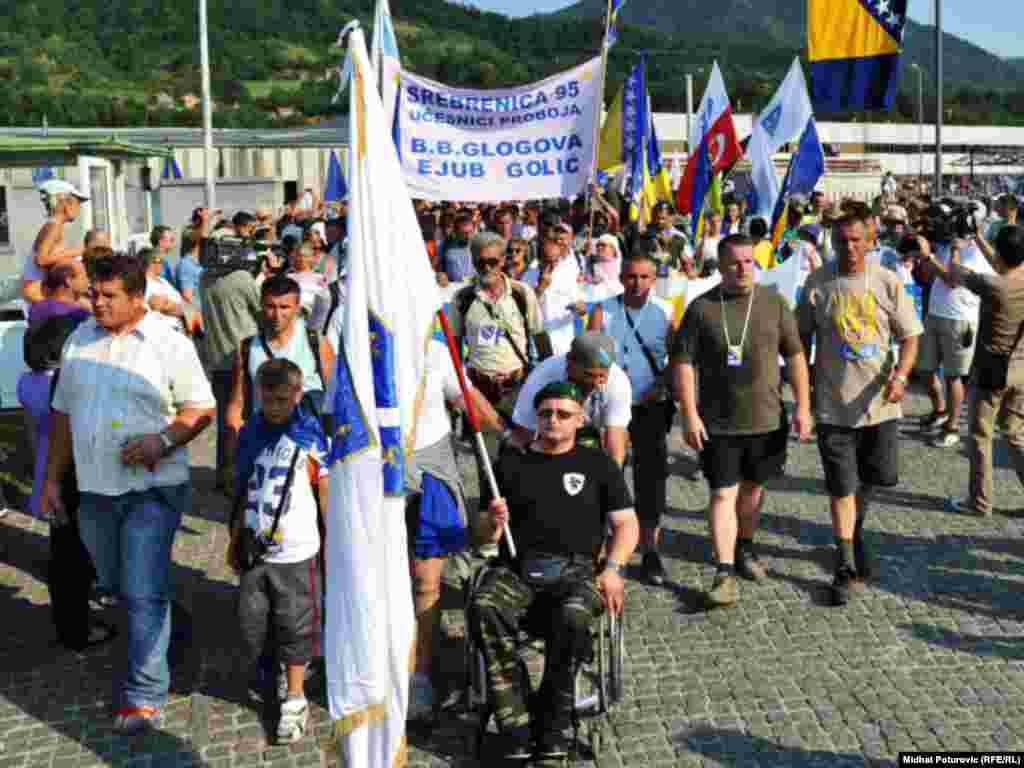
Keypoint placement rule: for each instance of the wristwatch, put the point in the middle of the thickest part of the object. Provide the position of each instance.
(614, 565)
(169, 445)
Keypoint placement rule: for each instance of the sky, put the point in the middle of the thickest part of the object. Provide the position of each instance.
(999, 28)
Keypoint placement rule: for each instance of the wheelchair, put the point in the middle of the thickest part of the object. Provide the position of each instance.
(605, 682)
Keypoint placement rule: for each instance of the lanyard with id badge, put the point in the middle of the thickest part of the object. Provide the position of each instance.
(734, 352)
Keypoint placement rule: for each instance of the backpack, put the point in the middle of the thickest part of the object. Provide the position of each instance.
(44, 343)
(465, 298)
(312, 400)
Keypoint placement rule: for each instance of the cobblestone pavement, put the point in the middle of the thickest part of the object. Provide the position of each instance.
(931, 657)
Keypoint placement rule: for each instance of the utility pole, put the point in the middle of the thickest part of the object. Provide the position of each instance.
(938, 98)
(204, 65)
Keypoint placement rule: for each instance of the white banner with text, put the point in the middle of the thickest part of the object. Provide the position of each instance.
(531, 142)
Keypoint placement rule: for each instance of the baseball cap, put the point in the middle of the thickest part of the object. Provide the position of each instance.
(292, 229)
(320, 229)
(593, 350)
(61, 187)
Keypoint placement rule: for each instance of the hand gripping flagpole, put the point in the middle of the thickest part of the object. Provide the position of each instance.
(474, 421)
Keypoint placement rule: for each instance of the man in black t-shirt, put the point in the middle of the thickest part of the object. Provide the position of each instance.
(560, 499)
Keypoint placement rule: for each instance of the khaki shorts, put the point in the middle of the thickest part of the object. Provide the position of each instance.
(942, 345)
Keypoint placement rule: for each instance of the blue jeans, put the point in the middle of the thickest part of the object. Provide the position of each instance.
(130, 538)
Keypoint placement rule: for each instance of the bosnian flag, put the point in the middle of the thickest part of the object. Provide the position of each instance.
(713, 137)
(376, 396)
(385, 59)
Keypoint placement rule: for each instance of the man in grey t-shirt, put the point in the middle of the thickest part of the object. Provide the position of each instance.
(231, 304)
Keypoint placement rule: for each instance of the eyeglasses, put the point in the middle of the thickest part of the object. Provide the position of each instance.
(558, 413)
(487, 263)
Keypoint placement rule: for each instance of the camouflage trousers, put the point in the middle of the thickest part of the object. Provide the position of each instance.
(503, 605)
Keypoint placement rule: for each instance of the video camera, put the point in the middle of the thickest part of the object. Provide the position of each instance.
(949, 221)
(222, 256)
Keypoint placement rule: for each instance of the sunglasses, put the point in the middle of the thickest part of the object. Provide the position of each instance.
(557, 413)
(517, 250)
(487, 263)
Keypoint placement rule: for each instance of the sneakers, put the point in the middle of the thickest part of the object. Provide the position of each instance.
(518, 744)
(294, 717)
(964, 507)
(725, 591)
(947, 440)
(137, 719)
(749, 566)
(653, 568)
(844, 585)
(421, 698)
(552, 745)
(934, 421)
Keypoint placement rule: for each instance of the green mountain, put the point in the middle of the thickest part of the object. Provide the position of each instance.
(782, 24)
(135, 62)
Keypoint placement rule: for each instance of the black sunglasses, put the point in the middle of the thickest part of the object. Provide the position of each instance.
(487, 263)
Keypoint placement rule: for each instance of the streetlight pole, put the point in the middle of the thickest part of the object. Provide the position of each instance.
(938, 98)
(204, 66)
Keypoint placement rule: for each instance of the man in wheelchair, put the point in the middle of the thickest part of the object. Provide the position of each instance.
(559, 500)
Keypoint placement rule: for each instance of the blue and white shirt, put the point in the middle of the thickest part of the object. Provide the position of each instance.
(298, 535)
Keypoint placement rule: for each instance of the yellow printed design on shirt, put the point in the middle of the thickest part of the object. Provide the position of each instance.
(856, 321)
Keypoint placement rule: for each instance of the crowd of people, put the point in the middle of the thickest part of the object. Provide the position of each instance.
(579, 364)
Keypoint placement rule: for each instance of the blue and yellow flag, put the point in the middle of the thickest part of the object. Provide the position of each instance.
(854, 48)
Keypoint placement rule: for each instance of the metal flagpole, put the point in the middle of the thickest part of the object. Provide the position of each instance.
(938, 98)
(599, 109)
(474, 421)
(689, 113)
(204, 66)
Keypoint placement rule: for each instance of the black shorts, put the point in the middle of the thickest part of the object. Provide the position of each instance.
(282, 601)
(729, 459)
(855, 456)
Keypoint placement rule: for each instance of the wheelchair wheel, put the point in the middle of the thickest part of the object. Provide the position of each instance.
(618, 657)
(602, 666)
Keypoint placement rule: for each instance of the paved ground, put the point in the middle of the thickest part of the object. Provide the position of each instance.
(931, 658)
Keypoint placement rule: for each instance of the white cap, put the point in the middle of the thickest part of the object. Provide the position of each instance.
(61, 187)
(320, 229)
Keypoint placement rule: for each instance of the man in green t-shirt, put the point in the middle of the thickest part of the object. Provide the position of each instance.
(733, 336)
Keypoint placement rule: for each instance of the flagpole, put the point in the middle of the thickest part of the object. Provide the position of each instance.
(204, 67)
(474, 421)
(597, 123)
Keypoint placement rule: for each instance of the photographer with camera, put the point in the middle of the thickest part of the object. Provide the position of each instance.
(230, 308)
(951, 324)
(999, 373)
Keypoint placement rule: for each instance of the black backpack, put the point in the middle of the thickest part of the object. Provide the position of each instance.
(312, 400)
(43, 344)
